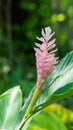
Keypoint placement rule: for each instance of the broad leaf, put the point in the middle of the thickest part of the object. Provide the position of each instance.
(47, 121)
(10, 104)
(22, 112)
(58, 86)
(53, 117)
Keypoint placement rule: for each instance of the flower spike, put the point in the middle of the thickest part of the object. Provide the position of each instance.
(45, 55)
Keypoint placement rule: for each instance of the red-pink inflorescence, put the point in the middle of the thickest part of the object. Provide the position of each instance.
(45, 55)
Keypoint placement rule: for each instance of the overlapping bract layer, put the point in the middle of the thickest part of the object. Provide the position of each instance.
(45, 55)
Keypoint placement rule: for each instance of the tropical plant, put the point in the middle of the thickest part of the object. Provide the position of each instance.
(58, 85)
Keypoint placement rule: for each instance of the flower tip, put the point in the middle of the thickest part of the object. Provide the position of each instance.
(48, 29)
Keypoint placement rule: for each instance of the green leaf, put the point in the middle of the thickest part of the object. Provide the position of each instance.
(22, 113)
(10, 104)
(48, 121)
(58, 86)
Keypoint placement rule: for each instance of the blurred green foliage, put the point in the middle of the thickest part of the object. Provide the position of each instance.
(54, 117)
(29, 16)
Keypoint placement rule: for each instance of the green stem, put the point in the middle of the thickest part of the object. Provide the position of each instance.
(35, 96)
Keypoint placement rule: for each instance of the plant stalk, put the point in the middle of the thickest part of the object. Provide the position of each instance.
(35, 97)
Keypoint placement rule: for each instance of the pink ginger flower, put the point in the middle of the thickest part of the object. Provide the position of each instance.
(45, 55)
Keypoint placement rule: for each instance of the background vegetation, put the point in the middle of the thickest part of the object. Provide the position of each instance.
(20, 22)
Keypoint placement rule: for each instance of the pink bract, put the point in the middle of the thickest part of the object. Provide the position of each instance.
(45, 55)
